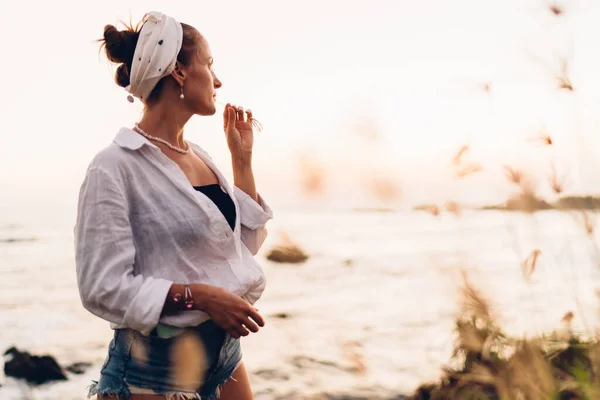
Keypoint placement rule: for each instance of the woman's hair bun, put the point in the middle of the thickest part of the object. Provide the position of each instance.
(120, 48)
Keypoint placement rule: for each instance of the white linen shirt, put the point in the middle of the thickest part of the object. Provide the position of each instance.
(141, 226)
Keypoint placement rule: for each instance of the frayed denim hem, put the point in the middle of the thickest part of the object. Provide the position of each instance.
(122, 393)
(181, 396)
(167, 395)
(217, 394)
(125, 392)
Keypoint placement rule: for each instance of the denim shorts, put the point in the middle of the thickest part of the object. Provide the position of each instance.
(125, 372)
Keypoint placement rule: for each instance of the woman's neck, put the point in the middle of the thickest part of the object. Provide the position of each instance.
(166, 123)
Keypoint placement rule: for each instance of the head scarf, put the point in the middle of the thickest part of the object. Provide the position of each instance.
(155, 53)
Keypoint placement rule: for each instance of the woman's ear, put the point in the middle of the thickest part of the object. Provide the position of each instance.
(179, 73)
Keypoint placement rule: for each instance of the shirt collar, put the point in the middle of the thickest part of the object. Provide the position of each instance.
(129, 139)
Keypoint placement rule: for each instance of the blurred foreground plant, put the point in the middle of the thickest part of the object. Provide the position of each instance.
(492, 365)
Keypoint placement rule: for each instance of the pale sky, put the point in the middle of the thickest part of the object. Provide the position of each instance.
(311, 71)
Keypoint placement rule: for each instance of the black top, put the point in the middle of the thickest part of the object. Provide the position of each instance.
(221, 200)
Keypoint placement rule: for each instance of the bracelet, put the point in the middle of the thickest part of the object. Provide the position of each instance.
(188, 300)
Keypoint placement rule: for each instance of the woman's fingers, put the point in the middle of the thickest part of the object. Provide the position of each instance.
(253, 313)
(251, 325)
(229, 116)
(236, 329)
(240, 113)
(240, 330)
(226, 116)
(246, 324)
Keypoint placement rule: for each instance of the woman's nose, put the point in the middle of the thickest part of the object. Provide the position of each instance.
(218, 83)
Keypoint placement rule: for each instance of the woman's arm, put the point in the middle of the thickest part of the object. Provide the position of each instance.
(104, 258)
(254, 211)
(243, 176)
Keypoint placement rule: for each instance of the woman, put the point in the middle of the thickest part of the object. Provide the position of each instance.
(164, 246)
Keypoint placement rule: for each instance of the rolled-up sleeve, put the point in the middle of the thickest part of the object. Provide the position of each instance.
(104, 258)
(253, 218)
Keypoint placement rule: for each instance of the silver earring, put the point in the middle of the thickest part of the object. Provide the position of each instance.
(181, 96)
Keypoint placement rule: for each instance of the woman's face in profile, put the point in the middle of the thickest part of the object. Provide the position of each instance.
(201, 82)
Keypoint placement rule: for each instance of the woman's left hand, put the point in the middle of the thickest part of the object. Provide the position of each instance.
(239, 133)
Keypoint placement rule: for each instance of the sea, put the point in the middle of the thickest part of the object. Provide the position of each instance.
(369, 315)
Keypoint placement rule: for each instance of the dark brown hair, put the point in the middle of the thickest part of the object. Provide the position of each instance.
(119, 47)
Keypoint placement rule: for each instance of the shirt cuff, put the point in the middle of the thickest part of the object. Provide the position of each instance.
(253, 215)
(148, 304)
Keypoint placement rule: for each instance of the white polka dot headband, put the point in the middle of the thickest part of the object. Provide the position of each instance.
(155, 54)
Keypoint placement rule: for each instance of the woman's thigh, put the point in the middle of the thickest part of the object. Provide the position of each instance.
(238, 386)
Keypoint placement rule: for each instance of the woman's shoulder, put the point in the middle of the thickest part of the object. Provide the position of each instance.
(110, 158)
(114, 157)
